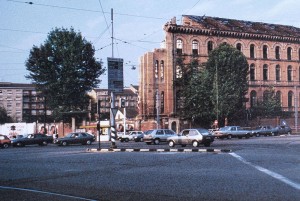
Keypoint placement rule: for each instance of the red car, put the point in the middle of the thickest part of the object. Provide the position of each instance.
(4, 141)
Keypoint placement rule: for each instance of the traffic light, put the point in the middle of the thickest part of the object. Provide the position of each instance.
(122, 102)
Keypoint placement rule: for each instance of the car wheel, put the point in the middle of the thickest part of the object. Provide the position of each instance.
(272, 134)
(5, 145)
(257, 134)
(126, 140)
(229, 136)
(195, 144)
(156, 141)
(171, 143)
(89, 142)
(247, 136)
(64, 143)
(207, 144)
(141, 140)
(44, 143)
(148, 143)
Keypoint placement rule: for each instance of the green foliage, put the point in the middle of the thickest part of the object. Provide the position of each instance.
(270, 106)
(219, 89)
(4, 118)
(64, 69)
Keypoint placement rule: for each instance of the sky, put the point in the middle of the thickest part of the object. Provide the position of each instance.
(137, 26)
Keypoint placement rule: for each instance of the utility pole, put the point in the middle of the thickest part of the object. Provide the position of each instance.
(157, 109)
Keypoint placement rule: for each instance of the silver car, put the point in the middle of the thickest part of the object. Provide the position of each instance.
(194, 137)
(156, 136)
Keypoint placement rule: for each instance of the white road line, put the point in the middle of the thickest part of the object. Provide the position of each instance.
(44, 192)
(268, 172)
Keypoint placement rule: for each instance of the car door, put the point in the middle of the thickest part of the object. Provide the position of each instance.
(183, 138)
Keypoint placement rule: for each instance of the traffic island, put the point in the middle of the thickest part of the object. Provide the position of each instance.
(160, 150)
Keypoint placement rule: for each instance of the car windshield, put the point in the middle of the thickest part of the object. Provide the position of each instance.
(224, 128)
(148, 132)
(69, 135)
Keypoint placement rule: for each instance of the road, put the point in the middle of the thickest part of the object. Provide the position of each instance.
(264, 168)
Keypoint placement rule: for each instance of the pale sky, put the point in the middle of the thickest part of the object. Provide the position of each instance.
(137, 26)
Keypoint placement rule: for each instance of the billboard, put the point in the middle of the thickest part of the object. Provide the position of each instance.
(115, 74)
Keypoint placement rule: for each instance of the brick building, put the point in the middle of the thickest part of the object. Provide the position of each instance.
(272, 51)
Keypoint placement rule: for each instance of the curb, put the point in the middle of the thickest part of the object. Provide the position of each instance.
(160, 150)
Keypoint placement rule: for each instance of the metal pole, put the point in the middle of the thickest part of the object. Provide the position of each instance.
(113, 132)
(124, 121)
(112, 33)
(296, 110)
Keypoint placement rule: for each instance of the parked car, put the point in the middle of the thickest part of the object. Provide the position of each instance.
(265, 131)
(5, 142)
(156, 136)
(231, 132)
(284, 129)
(194, 137)
(30, 139)
(136, 136)
(76, 138)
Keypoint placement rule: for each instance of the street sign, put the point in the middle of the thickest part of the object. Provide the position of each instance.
(115, 74)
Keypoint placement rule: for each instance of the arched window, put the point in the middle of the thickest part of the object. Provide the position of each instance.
(277, 52)
(253, 99)
(278, 96)
(290, 73)
(265, 52)
(252, 72)
(290, 99)
(277, 72)
(162, 68)
(162, 102)
(289, 53)
(156, 69)
(209, 46)
(265, 72)
(179, 46)
(252, 51)
(195, 47)
(239, 46)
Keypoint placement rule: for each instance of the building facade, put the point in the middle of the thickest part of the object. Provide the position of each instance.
(22, 102)
(272, 52)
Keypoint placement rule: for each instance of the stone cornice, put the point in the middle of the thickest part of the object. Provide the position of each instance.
(172, 28)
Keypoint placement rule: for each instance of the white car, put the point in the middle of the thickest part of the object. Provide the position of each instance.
(136, 136)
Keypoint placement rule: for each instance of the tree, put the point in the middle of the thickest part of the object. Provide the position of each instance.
(217, 90)
(228, 69)
(4, 118)
(64, 69)
(270, 106)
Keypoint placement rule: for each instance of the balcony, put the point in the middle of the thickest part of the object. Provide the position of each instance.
(262, 83)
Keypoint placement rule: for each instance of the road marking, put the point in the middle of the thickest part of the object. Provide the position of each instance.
(45, 192)
(268, 172)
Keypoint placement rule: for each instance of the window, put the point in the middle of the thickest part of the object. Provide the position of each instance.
(252, 51)
(289, 53)
(178, 72)
(289, 73)
(252, 72)
(162, 102)
(277, 72)
(299, 54)
(253, 98)
(156, 69)
(162, 70)
(195, 47)
(290, 99)
(179, 46)
(265, 52)
(265, 72)
(277, 52)
(209, 46)
(239, 46)
(278, 96)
